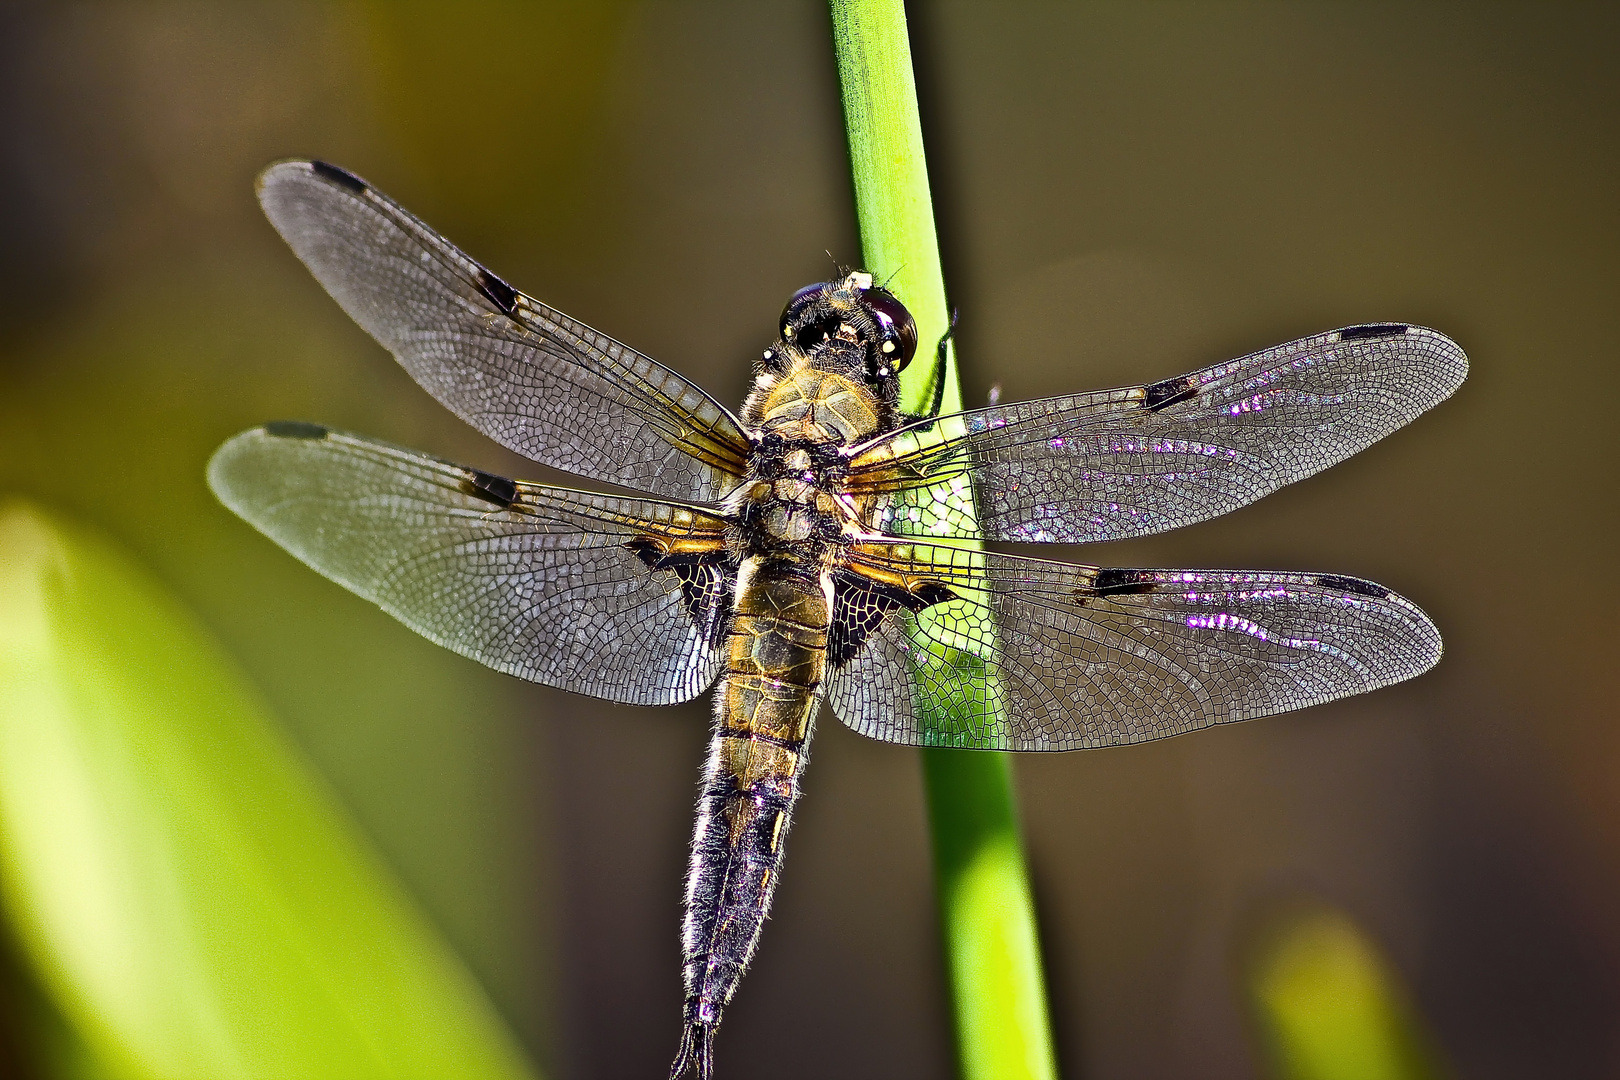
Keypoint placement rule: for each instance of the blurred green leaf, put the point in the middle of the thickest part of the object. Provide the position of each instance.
(1330, 1008)
(190, 896)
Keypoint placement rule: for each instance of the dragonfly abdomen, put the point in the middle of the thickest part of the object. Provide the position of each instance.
(764, 709)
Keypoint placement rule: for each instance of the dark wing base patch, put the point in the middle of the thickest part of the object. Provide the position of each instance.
(708, 580)
(860, 604)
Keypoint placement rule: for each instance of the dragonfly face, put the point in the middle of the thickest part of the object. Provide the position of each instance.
(820, 547)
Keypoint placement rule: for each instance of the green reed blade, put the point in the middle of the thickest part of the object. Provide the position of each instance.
(190, 898)
(987, 915)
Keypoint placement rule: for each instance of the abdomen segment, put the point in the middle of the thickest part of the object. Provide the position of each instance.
(763, 713)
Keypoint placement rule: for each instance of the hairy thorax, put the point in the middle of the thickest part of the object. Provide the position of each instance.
(803, 420)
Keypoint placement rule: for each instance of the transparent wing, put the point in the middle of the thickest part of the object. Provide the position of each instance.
(548, 584)
(527, 376)
(1038, 655)
(1140, 460)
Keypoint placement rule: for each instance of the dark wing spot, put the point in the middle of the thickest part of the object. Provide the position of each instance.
(294, 429)
(1164, 394)
(343, 178)
(1115, 582)
(1355, 586)
(502, 295)
(708, 581)
(860, 605)
(489, 487)
(1373, 330)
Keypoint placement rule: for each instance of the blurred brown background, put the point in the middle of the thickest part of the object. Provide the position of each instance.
(1126, 192)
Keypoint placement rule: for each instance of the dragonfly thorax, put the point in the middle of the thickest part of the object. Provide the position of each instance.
(791, 496)
(810, 404)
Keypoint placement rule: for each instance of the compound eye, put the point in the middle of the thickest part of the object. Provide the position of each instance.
(795, 307)
(897, 330)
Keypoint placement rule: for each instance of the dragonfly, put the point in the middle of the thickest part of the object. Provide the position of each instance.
(820, 546)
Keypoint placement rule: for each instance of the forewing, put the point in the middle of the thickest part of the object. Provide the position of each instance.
(1038, 655)
(527, 376)
(1143, 459)
(548, 584)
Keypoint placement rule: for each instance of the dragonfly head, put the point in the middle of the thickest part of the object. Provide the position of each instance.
(850, 323)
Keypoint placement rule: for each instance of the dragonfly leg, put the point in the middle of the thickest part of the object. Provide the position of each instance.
(936, 377)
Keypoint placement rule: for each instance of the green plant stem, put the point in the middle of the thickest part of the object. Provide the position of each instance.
(986, 913)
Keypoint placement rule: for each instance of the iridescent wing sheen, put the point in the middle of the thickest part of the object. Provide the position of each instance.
(1038, 655)
(549, 584)
(1143, 459)
(527, 376)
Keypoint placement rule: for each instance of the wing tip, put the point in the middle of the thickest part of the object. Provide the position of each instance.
(278, 173)
(1450, 361)
(222, 467)
(286, 184)
(1426, 647)
(1445, 358)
